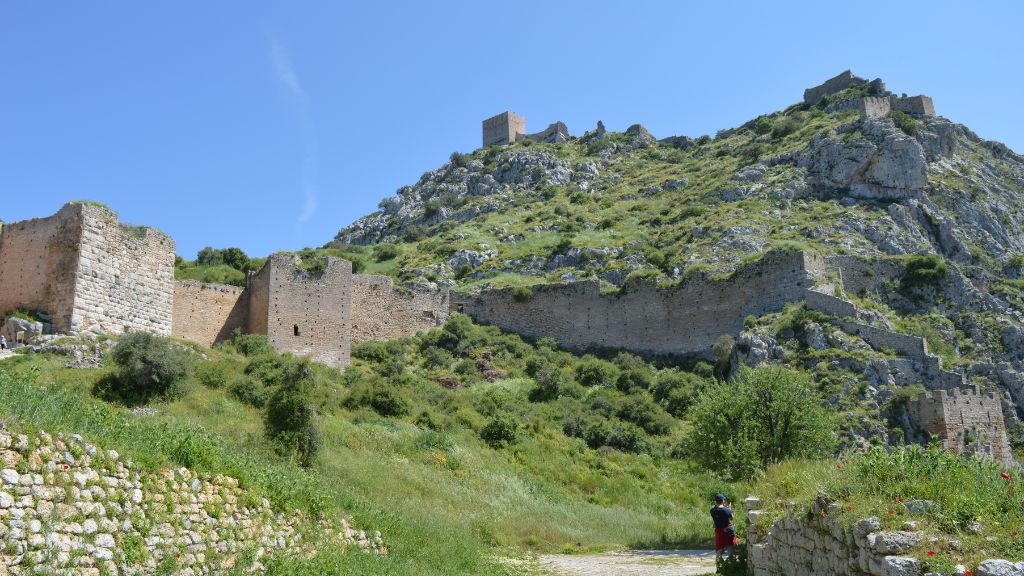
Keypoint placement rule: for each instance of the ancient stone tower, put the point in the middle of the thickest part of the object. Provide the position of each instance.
(965, 420)
(303, 311)
(88, 271)
(505, 128)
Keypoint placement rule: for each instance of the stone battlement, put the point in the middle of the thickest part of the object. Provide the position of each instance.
(877, 106)
(967, 421)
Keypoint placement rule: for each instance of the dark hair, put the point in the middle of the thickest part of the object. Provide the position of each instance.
(719, 498)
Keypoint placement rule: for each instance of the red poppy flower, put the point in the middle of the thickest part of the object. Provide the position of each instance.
(931, 553)
(1006, 476)
(824, 516)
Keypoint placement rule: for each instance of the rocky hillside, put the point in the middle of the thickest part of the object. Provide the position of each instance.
(609, 204)
(925, 204)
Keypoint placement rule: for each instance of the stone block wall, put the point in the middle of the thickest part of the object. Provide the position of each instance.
(919, 105)
(380, 311)
(88, 271)
(874, 107)
(836, 84)
(208, 313)
(38, 262)
(861, 276)
(308, 313)
(125, 276)
(685, 319)
(967, 421)
(505, 128)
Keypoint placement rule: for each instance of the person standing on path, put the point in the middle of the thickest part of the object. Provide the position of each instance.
(725, 533)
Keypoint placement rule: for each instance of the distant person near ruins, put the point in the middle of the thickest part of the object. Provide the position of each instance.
(3, 343)
(725, 533)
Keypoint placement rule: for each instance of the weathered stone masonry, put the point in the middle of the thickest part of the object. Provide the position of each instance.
(967, 422)
(88, 271)
(380, 311)
(684, 319)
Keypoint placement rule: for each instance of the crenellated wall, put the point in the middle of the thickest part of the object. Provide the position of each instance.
(967, 422)
(646, 319)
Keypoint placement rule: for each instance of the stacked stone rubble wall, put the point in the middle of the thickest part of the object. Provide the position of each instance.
(382, 311)
(684, 319)
(69, 507)
(208, 313)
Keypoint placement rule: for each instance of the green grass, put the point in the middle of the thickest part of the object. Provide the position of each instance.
(878, 483)
(445, 502)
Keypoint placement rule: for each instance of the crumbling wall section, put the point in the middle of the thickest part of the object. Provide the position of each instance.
(208, 313)
(382, 311)
(38, 263)
(967, 421)
(918, 105)
(685, 319)
(836, 84)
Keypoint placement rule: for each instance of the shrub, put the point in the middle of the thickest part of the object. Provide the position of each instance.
(926, 270)
(500, 431)
(249, 391)
(386, 252)
(267, 368)
(372, 351)
(591, 371)
(383, 398)
(290, 416)
(149, 366)
(213, 374)
(640, 410)
(761, 417)
(623, 436)
(763, 125)
(251, 344)
(550, 380)
(522, 294)
(722, 351)
(784, 126)
(904, 122)
(677, 391)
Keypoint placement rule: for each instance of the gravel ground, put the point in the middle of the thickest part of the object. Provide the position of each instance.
(635, 563)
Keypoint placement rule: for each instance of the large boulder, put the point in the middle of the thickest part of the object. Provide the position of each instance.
(999, 568)
(882, 162)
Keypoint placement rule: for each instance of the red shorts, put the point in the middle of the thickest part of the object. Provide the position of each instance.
(723, 540)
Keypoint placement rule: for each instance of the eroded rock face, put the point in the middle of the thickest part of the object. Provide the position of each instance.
(871, 158)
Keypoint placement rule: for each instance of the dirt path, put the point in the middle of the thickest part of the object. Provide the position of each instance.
(635, 563)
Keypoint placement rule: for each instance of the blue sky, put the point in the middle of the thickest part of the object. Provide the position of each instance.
(269, 125)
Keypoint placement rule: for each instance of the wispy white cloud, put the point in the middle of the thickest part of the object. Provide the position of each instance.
(285, 73)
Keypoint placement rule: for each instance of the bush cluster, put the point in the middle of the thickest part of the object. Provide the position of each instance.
(148, 367)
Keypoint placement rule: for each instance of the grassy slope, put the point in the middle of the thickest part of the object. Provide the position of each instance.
(445, 501)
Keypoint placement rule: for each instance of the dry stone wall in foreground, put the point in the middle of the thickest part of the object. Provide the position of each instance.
(68, 507)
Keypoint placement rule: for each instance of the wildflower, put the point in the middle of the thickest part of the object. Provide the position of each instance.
(931, 553)
(1006, 476)
(891, 511)
(824, 516)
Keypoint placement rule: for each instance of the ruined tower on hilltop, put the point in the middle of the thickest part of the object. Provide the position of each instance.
(509, 128)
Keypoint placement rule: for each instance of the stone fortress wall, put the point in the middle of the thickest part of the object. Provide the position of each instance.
(381, 311)
(309, 311)
(208, 313)
(967, 421)
(88, 271)
(681, 320)
(509, 128)
(869, 106)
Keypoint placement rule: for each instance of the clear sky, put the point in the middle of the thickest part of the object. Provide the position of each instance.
(269, 125)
